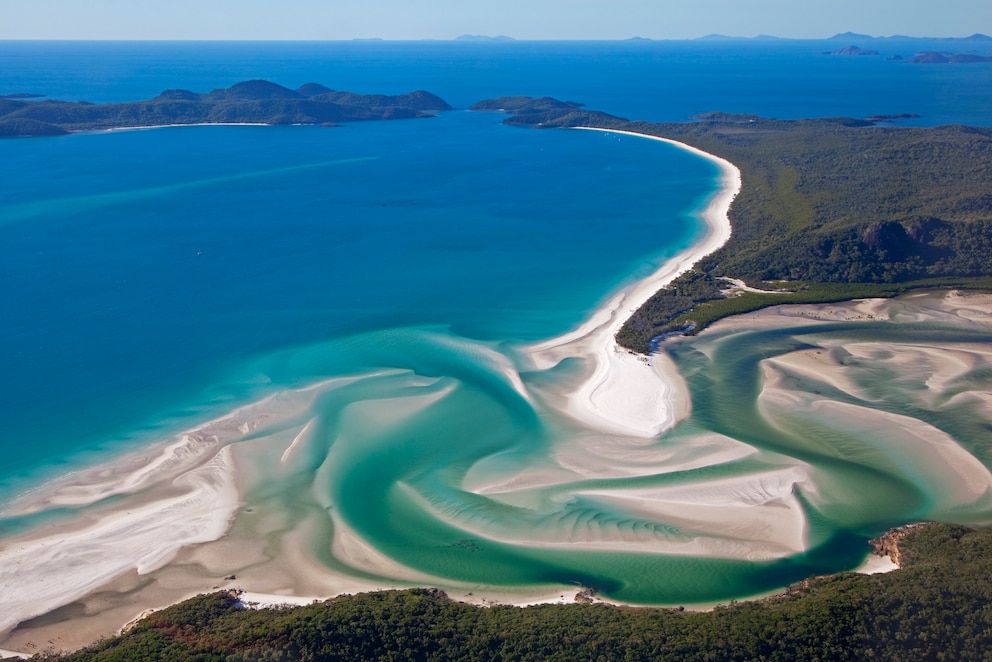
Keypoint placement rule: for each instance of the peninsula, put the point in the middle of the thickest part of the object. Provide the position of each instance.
(249, 102)
(831, 209)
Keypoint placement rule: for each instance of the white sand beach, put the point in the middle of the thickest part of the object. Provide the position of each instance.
(625, 393)
(186, 517)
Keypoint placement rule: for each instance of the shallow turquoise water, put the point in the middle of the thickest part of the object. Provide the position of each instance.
(144, 268)
(154, 280)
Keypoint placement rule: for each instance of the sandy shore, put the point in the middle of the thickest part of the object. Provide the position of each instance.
(172, 126)
(179, 519)
(626, 393)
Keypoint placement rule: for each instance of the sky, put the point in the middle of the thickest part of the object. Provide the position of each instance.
(521, 19)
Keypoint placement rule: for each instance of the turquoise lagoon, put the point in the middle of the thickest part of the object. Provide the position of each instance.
(156, 280)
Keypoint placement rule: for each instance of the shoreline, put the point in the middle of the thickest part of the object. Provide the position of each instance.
(621, 396)
(625, 393)
(622, 401)
(119, 129)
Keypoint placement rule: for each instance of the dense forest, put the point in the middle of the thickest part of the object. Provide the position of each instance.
(937, 607)
(831, 209)
(254, 101)
(835, 209)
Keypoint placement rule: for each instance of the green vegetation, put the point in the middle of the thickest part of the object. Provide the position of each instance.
(255, 101)
(836, 202)
(831, 208)
(690, 315)
(546, 112)
(935, 608)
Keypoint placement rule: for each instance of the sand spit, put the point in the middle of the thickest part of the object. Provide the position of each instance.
(119, 129)
(48, 570)
(624, 393)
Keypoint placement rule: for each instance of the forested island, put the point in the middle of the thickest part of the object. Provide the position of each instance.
(831, 209)
(934, 607)
(249, 102)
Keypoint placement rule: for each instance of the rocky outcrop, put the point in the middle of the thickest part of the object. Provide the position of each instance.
(888, 544)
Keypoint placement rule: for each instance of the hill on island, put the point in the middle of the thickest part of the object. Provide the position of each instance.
(847, 36)
(249, 102)
(853, 50)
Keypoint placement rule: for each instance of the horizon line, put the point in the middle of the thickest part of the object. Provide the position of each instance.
(473, 39)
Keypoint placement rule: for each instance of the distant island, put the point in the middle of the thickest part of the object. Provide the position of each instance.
(545, 111)
(849, 36)
(723, 37)
(831, 209)
(853, 50)
(943, 57)
(480, 37)
(249, 102)
(923, 57)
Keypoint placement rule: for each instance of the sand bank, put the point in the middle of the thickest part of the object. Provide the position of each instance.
(876, 565)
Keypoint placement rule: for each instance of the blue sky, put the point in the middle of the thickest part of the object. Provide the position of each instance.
(447, 19)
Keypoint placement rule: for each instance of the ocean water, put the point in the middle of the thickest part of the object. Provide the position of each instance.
(175, 255)
(154, 280)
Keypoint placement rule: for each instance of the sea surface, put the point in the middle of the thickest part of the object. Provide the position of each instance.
(152, 280)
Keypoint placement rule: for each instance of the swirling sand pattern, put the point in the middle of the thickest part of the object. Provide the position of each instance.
(767, 449)
(443, 461)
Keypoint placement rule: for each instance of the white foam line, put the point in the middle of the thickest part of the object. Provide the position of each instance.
(624, 393)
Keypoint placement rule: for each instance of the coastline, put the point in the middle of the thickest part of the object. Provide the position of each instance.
(618, 406)
(624, 394)
(117, 129)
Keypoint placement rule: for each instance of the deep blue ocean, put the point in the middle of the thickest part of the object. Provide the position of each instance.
(146, 275)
